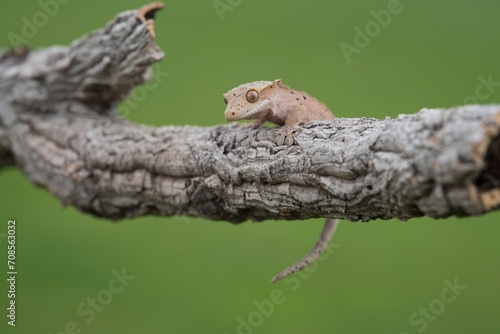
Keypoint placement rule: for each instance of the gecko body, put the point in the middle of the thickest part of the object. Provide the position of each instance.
(274, 102)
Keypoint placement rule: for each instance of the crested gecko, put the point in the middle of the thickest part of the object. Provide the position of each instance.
(274, 102)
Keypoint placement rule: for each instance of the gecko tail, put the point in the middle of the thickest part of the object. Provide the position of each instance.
(323, 241)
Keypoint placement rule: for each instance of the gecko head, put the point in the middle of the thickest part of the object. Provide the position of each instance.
(251, 100)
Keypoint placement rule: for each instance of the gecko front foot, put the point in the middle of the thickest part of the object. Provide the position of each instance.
(284, 136)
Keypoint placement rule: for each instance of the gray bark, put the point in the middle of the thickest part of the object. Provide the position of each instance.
(59, 125)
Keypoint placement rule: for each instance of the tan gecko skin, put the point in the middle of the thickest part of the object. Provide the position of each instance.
(274, 102)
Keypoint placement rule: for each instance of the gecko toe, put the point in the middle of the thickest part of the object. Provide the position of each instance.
(280, 138)
(285, 135)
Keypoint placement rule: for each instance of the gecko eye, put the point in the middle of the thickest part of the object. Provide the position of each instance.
(252, 96)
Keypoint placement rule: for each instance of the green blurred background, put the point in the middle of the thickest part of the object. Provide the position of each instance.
(197, 276)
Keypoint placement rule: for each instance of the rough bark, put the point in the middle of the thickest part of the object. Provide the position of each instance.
(59, 125)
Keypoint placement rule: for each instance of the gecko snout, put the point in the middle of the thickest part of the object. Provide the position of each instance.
(229, 115)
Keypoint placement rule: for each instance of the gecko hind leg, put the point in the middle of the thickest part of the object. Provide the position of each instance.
(323, 241)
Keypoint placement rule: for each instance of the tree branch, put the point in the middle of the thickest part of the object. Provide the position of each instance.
(59, 125)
